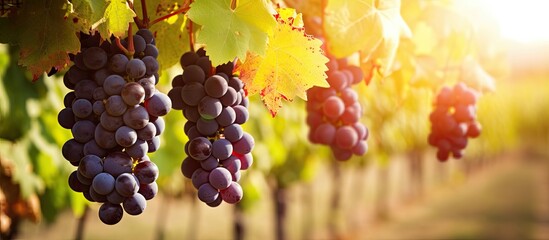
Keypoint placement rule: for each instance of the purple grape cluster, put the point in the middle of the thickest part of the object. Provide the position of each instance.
(453, 121)
(333, 114)
(215, 105)
(115, 115)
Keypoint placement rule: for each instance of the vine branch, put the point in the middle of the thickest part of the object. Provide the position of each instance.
(119, 45)
(183, 9)
(144, 13)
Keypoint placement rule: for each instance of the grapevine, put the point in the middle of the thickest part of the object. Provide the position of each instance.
(115, 116)
(215, 105)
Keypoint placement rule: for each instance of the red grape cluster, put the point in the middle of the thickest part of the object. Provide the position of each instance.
(334, 113)
(453, 121)
(115, 115)
(215, 104)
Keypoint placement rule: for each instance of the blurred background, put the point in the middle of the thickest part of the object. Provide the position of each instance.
(296, 190)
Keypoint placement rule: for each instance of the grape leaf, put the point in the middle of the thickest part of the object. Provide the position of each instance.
(293, 63)
(474, 75)
(117, 16)
(88, 12)
(367, 25)
(45, 42)
(230, 33)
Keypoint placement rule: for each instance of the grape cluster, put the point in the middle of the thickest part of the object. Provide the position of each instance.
(114, 113)
(215, 105)
(333, 114)
(453, 121)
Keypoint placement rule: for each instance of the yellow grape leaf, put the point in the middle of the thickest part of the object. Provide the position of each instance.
(293, 63)
(476, 77)
(230, 33)
(118, 16)
(351, 25)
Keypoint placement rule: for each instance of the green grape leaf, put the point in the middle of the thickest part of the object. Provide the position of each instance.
(118, 16)
(89, 13)
(45, 42)
(230, 33)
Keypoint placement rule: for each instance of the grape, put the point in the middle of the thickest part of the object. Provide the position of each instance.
(139, 149)
(90, 165)
(216, 202)
(160, 125)
(136, 68)
(346, 137)
(115, 106)
(110, 213)
(209, 164)
(200, 148)
(152, 51)
(83, 131)
(83, 179)
(139, 43)
(158, 105)
(229, 98)
(75, 184)
(199, 177)
(207, 127)
(79, 62)
(188, 126)
(117, 163)
(94, 58)
(232, 194)
(65, 118)
(104, 138)
(84, 89)
(135, 204)
(193, 73)
(97, 197)
(236, 84)
(175, 97)
(146, 34)
(192, 93)
(98, 108)
(193, 132)
(222, 149)
(188, 166)
(72, 150)
(209, 108)
(147, 132)
(110, 123)
(103, 183)
(245, 144)
(113, 85)
(82, 108)
(69, 99)
(146, 172)
(205, 64)
(100, 75)
(360, 148)
(92, 148)
(233, 132)
(133, 93)
(125, 136)
(242, 114)
(191, 113)
(474, 130)
(126, 185)
(151, 65)
(232, 164)
(188, 58)
(115, 197)
(337, 80)
(226, 117)
(154, 144)
(216, 86)
(148, 191)
(136, 117)
(333, 107)
(207, 193)
(247, 160)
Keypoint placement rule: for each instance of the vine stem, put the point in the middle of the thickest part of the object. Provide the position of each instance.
(183, 9)
(131, 48)
(144, 13)
(191, 35)
(119, 45)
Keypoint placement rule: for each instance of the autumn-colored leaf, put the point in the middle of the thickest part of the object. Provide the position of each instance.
(230, 33)
(293, 63)
(117, 17)
(46, 42)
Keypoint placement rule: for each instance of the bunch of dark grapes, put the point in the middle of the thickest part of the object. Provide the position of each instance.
(333, 114)
(215, 105)
(114, 113)
(453, 121)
